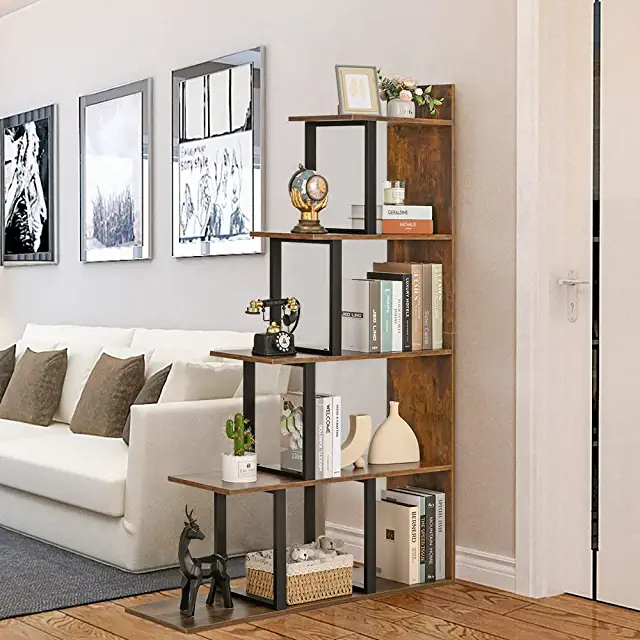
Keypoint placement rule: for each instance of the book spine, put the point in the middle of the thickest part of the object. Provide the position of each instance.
(414, 542)
(406, 312)
(337, 435)
(431, 539)
(386, 295)
(424, 227)
(436, 270)
(440, 536)
(427, 302)
(375, 310)
(416, 310)
(396, 316)
(327, 426)
(319, 438)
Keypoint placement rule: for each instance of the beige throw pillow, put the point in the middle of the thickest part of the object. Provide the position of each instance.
(149, 394)
(107, 397)
(189, 381)
(33, 393)
(7, 365)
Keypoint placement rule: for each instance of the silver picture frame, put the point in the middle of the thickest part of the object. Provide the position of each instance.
(353, 102)
(218, 130)
(116, 174)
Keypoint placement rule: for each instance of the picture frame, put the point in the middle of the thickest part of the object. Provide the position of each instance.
(358, 90)
(218, 156)
(28, 174)
(116, 166)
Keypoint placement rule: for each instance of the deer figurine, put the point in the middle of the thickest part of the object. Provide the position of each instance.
(196, 570)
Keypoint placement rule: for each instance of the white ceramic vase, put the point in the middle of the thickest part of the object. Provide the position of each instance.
(394, 442)
(397, 108)
(239, 468)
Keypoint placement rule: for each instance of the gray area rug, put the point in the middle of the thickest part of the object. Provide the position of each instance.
(37, 577)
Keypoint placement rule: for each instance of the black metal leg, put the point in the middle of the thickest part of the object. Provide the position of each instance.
(249, 395)
(280, 550)
(370, 177)
(310, 138)
(335, 301)
(309, 467)
(220, 523)
(275, 277)
(369, 536)
(309, 514)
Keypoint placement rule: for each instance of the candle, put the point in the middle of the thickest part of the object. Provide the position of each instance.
(394, 192)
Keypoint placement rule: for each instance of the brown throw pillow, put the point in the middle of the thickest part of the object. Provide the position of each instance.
(33, 393)
(7, 365)
(150, 394)
(108, 395)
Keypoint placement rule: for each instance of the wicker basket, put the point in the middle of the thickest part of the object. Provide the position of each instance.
(316, 579)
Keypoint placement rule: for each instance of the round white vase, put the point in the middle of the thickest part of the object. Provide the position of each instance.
(394, 442)
(397, 108)
(239, 468)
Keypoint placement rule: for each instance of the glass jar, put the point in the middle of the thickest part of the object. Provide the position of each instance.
(394, 192)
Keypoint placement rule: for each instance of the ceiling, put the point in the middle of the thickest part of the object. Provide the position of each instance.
(9, 6)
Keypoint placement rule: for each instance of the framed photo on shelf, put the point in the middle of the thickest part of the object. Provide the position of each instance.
(28, 203)
(358, 91)
(115, 174)
(218, 156)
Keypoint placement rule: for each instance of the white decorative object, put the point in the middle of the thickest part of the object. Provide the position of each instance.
(239, 468)
(398, 108)
(358, 439)
(394, 442)
(359, 463)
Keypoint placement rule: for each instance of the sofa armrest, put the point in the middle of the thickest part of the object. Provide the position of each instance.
(173, 439)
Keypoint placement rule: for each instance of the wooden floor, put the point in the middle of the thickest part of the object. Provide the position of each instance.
(462, 611)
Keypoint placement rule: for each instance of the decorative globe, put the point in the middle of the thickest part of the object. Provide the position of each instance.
(309, 193)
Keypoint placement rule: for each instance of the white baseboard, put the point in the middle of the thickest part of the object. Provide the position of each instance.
(488, 569)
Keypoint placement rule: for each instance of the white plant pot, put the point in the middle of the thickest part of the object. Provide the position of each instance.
(397, 108)
(239, 468)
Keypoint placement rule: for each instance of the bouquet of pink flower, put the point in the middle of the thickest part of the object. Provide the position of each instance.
(399, 87)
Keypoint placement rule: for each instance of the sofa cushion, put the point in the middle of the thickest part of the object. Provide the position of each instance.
(34, 391)
(70, 334)
(108, 395)
(80, 470)
(7, 365)
(190, 381)
(13, 430)
(149, 394)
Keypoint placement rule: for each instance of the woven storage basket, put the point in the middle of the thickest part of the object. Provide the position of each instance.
(319, 579)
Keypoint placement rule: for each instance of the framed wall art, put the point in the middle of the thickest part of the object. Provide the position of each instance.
(28, 204)
(358, 90)
(218, 147)
(115, 174)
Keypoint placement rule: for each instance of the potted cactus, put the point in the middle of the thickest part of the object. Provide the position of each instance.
(242, 464)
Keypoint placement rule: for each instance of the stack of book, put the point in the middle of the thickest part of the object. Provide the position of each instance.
(328, 434)
(405, 218)
(410, 534)
(397, 307)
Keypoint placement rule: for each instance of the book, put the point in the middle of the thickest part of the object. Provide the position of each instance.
(430, 517)
(386, 316)
(436, 295)
(396, 316)
(406, 496)
(407, 219)
(327, 444)
(405, 279)
(427, 305)
(408, 226)
(405, 212)
(337, 435)
(415, 270)
(397, 542)
(360, 315)
(440, 530)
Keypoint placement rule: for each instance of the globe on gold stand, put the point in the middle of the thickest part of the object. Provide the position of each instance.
(309, 193)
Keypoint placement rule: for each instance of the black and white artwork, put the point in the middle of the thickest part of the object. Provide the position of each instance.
(115, 181)
(217, 185)
(28, 203)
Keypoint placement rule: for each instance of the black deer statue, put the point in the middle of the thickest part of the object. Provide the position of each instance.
(196, 570)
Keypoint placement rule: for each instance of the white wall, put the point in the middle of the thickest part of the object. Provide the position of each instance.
(57, 50)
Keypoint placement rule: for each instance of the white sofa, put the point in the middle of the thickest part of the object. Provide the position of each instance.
(112, 502)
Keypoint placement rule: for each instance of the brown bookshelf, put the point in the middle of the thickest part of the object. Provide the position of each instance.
(425, 122)
(324, 237)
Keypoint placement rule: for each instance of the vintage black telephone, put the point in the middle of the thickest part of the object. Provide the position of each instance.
(276, 341)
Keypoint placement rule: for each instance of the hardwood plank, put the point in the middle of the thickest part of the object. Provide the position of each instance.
(356, 636)
(350, 618)
(593, 610)
(298, 627)
(479, 597)
(134, 601)
(240, 632)
(377, 609)
(116, 620)
(517, 596)
(579, 626)
(14, 629)
(444, 630)
(473, 618)
(59, 625)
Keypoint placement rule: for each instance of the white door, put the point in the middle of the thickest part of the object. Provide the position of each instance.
(619, 555)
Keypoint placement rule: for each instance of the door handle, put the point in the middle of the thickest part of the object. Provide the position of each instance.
(571, 282)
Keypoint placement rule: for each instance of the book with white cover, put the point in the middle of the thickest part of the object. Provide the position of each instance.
(337, 435)
(397, 312)
(327, 429)
(397, 539)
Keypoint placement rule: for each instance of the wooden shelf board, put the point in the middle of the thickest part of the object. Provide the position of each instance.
(301, 358)
(323, 237)
(212, 480)
(166, 612)
(356, 117)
